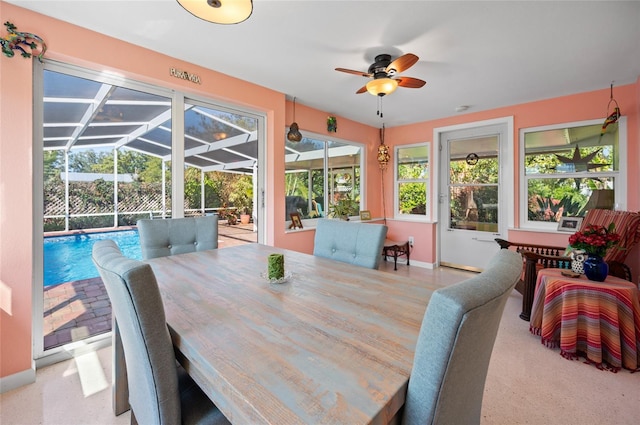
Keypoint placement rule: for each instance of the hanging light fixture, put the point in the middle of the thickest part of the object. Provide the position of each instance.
(294, 134)
(382, 86)
(383, 151)
(219, 11)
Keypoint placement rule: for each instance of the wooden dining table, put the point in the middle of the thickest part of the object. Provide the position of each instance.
(332, 344)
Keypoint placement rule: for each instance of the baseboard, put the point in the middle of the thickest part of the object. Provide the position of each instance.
(17, 380)
(421, 264)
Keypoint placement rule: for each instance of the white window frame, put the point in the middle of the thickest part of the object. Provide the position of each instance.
(311, 222)
(620, 174)
(396, 183)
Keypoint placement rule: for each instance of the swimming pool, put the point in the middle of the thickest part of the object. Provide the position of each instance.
(68, 258)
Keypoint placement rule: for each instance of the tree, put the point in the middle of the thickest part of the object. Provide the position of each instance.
(53, 162)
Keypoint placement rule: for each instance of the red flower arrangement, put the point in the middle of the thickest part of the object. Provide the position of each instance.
(594, 239)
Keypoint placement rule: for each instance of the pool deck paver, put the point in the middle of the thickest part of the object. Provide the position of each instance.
(80, 309)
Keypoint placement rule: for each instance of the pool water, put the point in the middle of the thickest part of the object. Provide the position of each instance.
(68, 258)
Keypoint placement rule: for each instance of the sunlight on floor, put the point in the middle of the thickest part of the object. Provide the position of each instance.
(86, 364)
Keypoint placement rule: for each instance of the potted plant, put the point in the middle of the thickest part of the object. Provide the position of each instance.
(343, 208)
(243, 201)
(226, 214)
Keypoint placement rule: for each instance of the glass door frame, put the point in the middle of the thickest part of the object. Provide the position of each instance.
(44, 357)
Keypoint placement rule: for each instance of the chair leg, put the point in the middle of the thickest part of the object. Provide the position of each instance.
(530, 277)
(395, 258)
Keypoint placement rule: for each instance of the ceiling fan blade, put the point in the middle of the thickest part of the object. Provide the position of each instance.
(363, 89)
(403, 63)
(351, 71)
(412, 83)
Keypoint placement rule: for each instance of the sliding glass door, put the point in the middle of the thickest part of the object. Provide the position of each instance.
(106, 158)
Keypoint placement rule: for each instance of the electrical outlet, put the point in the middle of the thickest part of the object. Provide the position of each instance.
(410, 240)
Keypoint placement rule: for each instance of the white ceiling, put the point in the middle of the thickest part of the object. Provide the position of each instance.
(476, 53)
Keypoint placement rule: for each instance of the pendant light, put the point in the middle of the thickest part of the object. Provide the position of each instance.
(219, 11)
(294, 134)
(382, 86)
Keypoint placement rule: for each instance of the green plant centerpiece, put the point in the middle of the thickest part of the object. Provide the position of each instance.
(343, 208)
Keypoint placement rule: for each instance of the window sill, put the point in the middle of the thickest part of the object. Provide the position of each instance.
(411, 219)
(304, 229)
(538, 230)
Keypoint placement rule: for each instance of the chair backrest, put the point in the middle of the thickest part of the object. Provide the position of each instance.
(455, 343)
(355, 243)
(627, 225)
(164, 237)
(138, 309)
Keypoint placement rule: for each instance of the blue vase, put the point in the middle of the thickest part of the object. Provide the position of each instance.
(595, 268)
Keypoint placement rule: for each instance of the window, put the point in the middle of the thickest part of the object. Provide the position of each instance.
(570, 169)
(220, 156)
(322, 175)
(411, 181)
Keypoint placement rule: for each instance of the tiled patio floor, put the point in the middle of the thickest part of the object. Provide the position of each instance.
(79, 309)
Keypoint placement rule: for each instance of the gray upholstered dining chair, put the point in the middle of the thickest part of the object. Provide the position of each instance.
(160, 392)
(355, 243)
(454, 346)
(164, 237)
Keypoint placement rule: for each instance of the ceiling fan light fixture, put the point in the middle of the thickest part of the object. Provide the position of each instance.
(219, 11)
(382, 86)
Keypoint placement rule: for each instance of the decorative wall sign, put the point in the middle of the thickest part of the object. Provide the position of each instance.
(184, 75)
(17, 40)
(472, 159)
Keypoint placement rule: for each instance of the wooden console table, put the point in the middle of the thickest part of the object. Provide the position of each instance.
(396, 249)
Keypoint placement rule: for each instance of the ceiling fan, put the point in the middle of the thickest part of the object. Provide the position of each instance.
(385, 76)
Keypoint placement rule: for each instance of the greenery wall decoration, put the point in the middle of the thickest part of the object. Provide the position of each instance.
(17, 40)
(332, 125)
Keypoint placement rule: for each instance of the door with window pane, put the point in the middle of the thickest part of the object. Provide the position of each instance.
(470, 196)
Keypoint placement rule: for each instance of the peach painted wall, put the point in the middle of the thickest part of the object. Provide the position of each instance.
(15, 217)
(578, 107)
